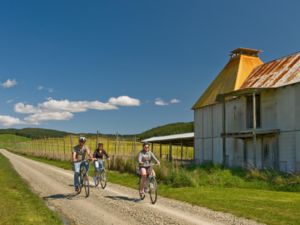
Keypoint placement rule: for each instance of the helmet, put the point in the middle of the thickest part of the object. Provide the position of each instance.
(82, 139)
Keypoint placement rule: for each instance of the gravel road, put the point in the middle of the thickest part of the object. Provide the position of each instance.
(114, 205)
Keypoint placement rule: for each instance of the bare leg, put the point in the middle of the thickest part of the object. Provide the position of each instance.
(143, 179)
(153, 173)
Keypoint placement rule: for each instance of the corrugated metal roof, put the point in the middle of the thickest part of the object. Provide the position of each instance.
(170, 137)
(233, 75)
(277, 73)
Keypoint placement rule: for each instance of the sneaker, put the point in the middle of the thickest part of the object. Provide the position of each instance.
(76, 189)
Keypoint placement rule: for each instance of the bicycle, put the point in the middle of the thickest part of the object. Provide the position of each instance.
(83, 180)
(101, 176)
(150, 186)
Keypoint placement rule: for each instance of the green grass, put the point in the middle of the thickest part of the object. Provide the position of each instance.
(176, 175)
(267, 206)
(18, 204)
(8, 140)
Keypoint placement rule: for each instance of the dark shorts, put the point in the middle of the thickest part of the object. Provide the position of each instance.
(148, 169)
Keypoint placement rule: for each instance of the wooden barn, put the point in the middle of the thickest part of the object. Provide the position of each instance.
(247, 117)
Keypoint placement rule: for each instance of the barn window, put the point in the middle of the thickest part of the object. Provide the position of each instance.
(250, 111)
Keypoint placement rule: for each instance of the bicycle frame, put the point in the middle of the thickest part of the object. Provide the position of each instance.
(151, 184)
(83, 177)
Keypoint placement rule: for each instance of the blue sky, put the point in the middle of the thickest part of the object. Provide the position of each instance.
(66, 64)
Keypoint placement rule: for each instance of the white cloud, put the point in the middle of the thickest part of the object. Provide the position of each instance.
(47, 116)
(25, 109)
(96, 105)
(9, 121)
(160, 102)
(52, 109)
(9, 83)
(174, 101)
(74, 106)
(42, 88)
(124, 101)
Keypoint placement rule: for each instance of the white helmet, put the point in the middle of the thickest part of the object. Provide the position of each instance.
(82, 139)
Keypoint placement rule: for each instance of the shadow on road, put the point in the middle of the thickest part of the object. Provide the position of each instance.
(61, 196)
(124, 198)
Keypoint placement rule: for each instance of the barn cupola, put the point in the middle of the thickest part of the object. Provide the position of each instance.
(245, 51)
(241, 63)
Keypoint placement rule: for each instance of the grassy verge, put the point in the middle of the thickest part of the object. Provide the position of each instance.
(267, 206)
(18, 204)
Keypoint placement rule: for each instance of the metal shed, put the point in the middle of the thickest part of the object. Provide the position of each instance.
(184, 139)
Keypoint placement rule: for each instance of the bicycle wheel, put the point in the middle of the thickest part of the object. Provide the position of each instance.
(80, 184)
(86, 185)
(103, 179)
(153, 190)
(98, 177)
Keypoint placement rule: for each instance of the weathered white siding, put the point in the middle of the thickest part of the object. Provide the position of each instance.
(208, 129)
(287, 151)
(280, 109)
(218, 150)
(285, 98)
(235, 115)
(217, 120)
(287, 123)
(297, 161)
(269, 110)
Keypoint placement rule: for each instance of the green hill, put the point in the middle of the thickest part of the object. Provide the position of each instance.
(34, 132)
(168, 129)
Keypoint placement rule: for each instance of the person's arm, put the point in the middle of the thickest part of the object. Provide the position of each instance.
(154, 157)
(140, 159)
(88, 151)
(74, 156)
(105, 153)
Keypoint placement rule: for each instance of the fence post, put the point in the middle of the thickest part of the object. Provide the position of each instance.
(160, 150)
(181, 151)
(108, 146)
(116, 143)
(97, 140)
(170, 152)
(71, 143)
(132, 148)
(64, 149)
(58, 151)
(52, 148)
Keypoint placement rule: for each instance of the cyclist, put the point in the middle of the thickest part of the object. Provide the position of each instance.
(98, 156)
(144, 159)
(79, 156)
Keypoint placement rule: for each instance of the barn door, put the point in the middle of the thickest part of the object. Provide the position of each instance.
(269, 151)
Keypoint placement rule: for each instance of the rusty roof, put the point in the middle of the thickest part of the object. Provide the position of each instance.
(277, 73)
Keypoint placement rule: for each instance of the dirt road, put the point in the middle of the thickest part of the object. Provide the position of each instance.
(114, 205)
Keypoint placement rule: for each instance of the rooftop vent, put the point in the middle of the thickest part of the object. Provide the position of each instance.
(245, 51)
